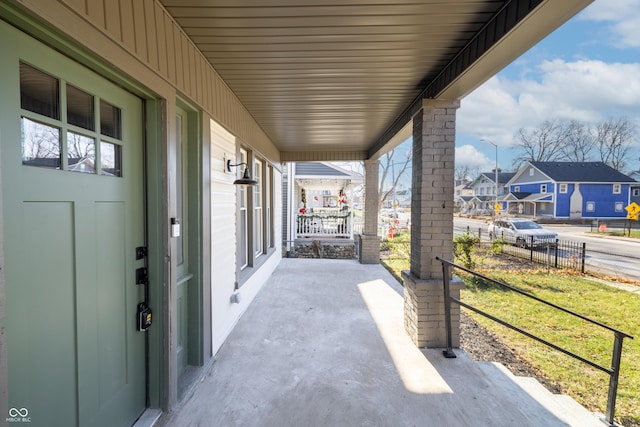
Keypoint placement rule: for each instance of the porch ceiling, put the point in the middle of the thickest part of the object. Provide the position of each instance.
(336, 76)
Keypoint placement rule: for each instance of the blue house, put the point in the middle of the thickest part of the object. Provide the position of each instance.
(575, 190)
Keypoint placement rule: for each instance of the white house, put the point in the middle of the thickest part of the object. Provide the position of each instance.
(484, 191)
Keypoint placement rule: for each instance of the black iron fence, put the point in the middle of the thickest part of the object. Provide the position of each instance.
(613, 371)
(552, 253)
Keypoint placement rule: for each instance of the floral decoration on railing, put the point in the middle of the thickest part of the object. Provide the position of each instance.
(322, 216)
(342, 198)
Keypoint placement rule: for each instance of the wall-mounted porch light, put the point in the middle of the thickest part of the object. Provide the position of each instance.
(246, 176)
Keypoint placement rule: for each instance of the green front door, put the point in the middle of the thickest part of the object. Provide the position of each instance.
(73, 203)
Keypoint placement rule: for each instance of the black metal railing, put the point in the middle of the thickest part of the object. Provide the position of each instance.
(563, 254)
(551, 252)
(613, 371)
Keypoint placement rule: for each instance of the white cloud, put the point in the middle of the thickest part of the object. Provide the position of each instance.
(589, 91)
(490, 112)
(468, 155)
(623, 17)
(591, 88)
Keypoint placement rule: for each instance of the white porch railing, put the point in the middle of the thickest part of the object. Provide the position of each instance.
(325, 225)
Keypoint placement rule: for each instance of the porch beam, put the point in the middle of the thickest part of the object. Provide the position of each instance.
(322, 156)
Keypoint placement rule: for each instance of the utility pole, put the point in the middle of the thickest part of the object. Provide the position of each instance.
(496, 170)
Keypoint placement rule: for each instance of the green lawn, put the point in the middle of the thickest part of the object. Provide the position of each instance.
(619, 309)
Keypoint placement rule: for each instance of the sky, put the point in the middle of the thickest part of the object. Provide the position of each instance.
(587, 70)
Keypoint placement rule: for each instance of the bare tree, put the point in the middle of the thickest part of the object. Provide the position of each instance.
(391, 165)
(613, 139)
(463, 172)
(578, 141)
(40, 141)
(541, 144)
(80, 147)
(573, 141)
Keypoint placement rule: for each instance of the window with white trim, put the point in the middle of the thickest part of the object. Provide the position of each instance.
(255, 211)
(543, 188)
(258, 213)
(635, 192)
(563, 188)
(516, 189)
(590, 206)
(619, 206)
(243, 217)
(531, 172)
(617, 188)
(268, 203)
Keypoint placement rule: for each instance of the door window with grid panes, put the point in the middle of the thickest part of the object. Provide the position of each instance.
(83, 136)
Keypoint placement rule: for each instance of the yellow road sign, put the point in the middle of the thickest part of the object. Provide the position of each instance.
(497, 207)
(633, 217)
(633, 209)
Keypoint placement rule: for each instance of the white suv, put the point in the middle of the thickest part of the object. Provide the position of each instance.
(521, 232)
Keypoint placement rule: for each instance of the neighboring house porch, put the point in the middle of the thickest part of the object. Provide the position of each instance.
(324, 210)
(528, 204)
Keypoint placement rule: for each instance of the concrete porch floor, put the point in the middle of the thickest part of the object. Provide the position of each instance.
(323, 344)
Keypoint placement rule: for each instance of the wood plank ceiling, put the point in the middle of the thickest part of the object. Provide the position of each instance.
(335, 75)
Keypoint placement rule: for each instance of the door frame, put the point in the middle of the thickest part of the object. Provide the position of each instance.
(157, 246)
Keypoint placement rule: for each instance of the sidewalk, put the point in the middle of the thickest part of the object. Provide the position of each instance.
(323, 344)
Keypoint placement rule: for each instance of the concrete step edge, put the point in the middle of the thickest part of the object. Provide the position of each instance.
(558, 403)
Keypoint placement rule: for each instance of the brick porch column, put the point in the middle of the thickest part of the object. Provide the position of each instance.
(370, 241)
(431, 225)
